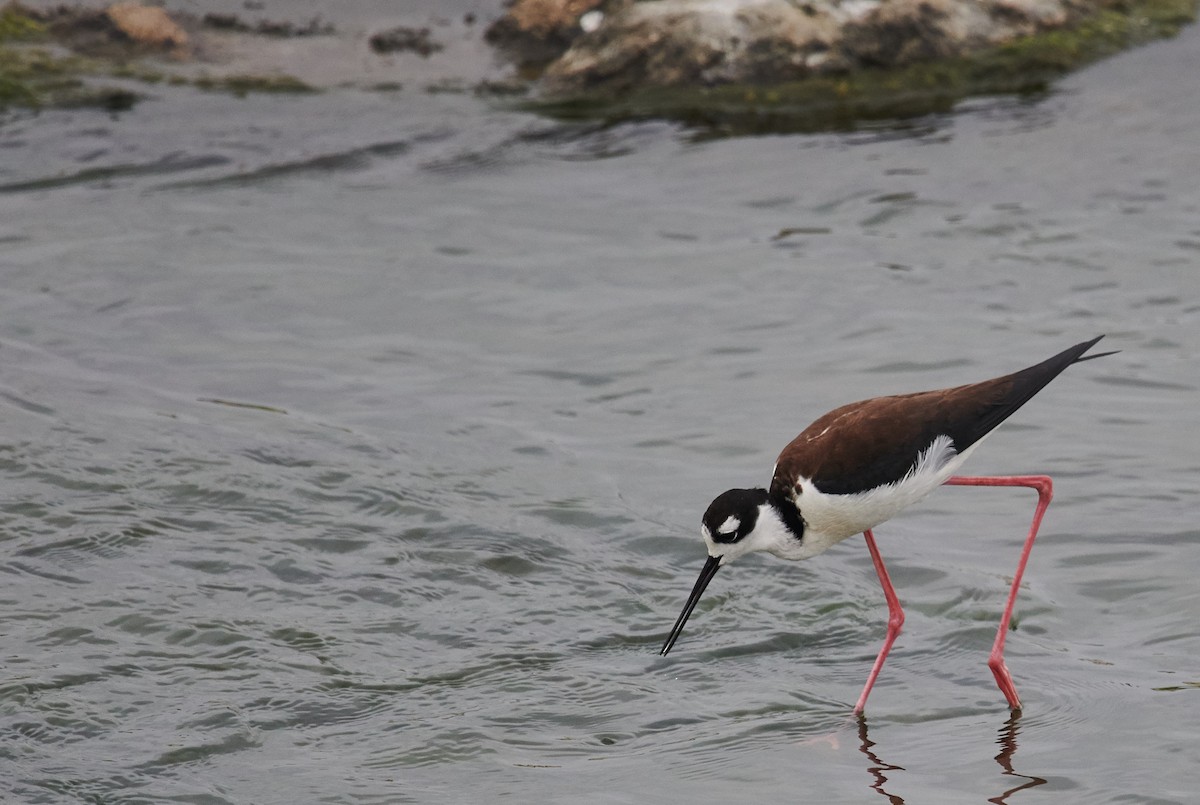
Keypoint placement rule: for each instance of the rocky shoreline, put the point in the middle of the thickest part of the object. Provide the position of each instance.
(76, 56)
(739, 66)
(736, 65)
(615, 46)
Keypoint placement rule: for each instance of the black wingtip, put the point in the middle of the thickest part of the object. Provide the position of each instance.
(1021, 388)
(1097, 355)
(1086, 345)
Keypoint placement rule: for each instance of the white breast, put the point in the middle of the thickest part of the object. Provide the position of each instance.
(829, 519)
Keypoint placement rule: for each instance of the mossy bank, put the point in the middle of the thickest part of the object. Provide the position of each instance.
(857, 97)
(75, 57)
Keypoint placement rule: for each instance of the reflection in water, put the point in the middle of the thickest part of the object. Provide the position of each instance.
(1008, 748)
(878, 767)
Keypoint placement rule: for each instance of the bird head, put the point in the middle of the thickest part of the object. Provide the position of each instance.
(729, 524)
(731, 528)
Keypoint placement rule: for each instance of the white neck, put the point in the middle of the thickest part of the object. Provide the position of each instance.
(769, 534)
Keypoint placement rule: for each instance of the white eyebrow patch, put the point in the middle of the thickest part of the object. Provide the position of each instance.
(730, 526)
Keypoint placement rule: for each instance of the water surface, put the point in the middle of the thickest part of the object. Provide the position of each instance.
(354, 448)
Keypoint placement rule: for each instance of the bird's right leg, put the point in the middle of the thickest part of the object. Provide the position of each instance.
(895, 620)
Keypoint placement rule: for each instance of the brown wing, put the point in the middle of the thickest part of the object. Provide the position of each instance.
(874, 442)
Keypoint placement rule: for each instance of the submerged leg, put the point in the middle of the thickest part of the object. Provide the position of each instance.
(895, 619)
(1045, 490)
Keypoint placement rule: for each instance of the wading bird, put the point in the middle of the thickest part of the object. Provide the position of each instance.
(862, 464)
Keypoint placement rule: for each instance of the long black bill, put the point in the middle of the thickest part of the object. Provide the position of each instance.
(710, 569)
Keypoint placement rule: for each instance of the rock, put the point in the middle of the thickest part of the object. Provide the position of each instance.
(750, 66)
(535, 32)
(671, 43)
(901, 32)
(697, 42)
(399, 39)
(147, 25)
(543, 17)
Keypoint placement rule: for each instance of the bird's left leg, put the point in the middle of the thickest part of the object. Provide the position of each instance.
(895, 619)
(1045, 490)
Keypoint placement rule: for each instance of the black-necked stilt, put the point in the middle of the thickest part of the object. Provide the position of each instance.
(860, 465)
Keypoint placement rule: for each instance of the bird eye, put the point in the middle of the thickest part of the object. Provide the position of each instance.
(727, 531)
(726, 536)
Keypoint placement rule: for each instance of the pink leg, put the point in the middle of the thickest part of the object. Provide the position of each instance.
(895, 620)
(1045, 490)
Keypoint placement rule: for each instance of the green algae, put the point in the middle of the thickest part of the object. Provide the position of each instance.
(242, 85)
(35, 77)
(20, 70)
(32, 76)
(16, 26)
(36, 72)
(1026, 66)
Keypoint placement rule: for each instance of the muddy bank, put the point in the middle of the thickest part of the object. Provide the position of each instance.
(107, 57)
(112, 55)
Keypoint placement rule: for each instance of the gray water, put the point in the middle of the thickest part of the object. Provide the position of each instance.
(354, 448)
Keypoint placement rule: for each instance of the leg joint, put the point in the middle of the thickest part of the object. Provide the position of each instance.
(1041, 483)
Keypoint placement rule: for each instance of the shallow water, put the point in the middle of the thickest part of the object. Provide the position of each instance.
(354, 448)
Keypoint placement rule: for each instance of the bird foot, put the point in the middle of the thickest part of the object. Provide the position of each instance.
(1004, 681)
